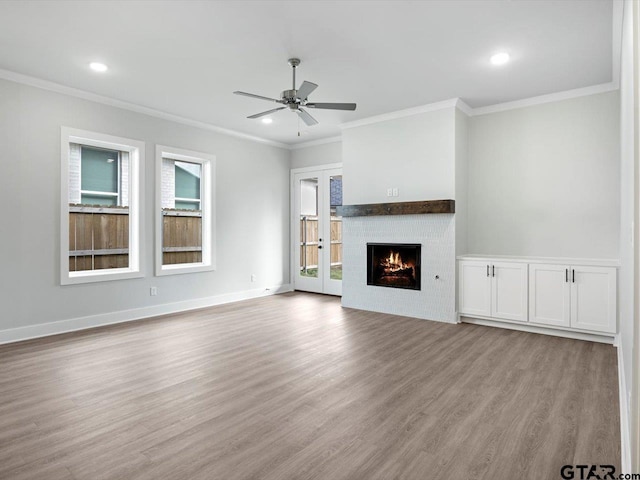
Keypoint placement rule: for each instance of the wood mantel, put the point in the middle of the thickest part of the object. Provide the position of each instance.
(398, 208)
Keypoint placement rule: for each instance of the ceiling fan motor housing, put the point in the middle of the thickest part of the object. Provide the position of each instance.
(289, 96)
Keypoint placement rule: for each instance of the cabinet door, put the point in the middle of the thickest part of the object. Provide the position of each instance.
(549, 295)
(593, 298)
(509, 291)
(474, 288)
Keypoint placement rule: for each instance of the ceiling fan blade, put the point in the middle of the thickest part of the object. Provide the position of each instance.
(306, 118)
(257, 96)
(258, 115)
(305, 89)
(332, 106)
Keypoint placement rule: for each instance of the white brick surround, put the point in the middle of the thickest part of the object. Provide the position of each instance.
(436, 234)
(168, 183)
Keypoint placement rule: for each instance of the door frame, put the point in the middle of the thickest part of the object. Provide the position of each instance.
(292, 210)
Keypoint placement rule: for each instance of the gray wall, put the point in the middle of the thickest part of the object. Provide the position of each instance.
(545, 180)
(316, 155)
(414, 154)
(252, 204)
(461, 180)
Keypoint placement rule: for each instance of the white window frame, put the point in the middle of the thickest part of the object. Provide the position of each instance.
(135, 148)
(207, 195)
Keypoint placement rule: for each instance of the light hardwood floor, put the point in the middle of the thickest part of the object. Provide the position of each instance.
(295, 387)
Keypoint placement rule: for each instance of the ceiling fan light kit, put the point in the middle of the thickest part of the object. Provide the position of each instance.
(294, 99)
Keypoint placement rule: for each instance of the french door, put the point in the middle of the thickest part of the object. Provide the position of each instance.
(317, 230)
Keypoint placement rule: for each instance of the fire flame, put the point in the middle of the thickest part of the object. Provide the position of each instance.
(394, 262)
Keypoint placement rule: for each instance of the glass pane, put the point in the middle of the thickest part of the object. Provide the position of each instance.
(185, 205)
(98, 200)
(99, 170)
(181, 234)
(335, 184)
(187, 180)
(309, 227)
(98, 239)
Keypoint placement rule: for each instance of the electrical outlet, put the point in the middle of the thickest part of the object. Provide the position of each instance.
(389, 192)
(153, 291)
(395, 192)
(254, 277)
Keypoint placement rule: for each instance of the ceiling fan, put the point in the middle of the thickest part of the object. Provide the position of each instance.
(294, 99)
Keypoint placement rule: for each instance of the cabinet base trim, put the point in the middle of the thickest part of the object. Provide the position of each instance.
(592, 337)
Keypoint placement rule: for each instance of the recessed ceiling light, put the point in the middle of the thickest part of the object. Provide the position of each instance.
(500, 58)
(98, 67)
(267, 120)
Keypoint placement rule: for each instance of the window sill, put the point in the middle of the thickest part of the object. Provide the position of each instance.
(93, 276)
(181, 268)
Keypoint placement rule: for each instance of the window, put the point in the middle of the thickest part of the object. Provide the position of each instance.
(186, 222)
(100, 176)
(100, 207)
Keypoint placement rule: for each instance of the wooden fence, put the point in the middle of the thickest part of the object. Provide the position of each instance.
(99, 237)
(309, 242)
(181, 236)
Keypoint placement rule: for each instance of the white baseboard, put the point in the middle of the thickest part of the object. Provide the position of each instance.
(625, 439)
(82, 323)
(538, 329)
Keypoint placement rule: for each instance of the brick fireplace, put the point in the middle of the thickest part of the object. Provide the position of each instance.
(433, 235)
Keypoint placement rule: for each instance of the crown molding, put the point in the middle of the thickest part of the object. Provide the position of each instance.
(542, 99)
(313, 143)
(430, 107)
(473, 112)
(112, 102)
(463, 107)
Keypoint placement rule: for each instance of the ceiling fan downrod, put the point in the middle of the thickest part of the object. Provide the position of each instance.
(294, 62)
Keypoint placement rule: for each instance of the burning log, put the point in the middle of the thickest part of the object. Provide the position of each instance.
(401, 272)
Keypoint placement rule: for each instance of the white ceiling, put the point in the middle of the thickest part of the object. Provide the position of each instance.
(187, 57)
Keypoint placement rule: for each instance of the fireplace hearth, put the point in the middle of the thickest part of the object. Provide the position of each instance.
(395, 265)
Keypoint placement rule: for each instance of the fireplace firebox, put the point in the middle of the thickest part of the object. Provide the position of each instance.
(395, 265)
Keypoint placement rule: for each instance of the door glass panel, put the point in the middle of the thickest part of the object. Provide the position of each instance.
(335, 189)
(309, 227)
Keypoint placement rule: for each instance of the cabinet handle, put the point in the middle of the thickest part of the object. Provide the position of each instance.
(566, 275)
(573, 276)
(487, 270)
(493, 270)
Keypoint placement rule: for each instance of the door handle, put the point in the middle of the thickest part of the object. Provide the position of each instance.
(319, 246)
(493, 270)
(487, 270)
(573, 276)
(566, 275)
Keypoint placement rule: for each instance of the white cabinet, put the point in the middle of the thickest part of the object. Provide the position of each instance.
(593, 298)
(475, 288)
(548, 292)
(578, 297)
(493, 289)
(549, 295)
